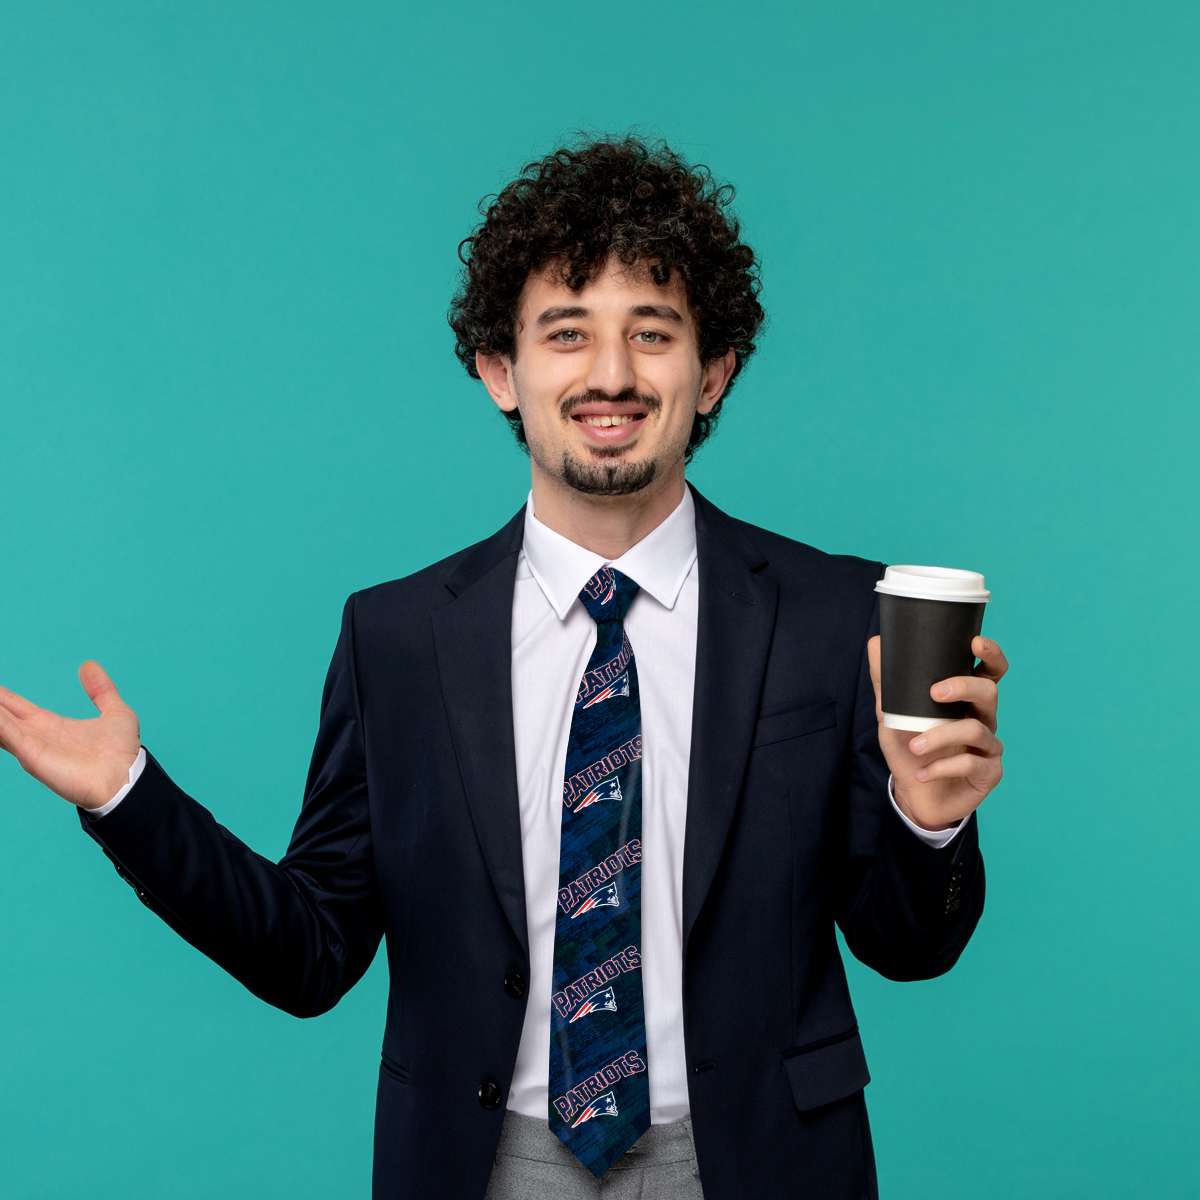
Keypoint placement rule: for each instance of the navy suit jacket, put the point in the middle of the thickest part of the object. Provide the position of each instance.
(410, 829)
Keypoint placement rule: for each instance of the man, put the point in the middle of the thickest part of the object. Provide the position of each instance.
(606, 780)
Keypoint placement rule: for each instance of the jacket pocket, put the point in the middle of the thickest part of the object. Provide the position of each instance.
(828, 1070)
(809, 719)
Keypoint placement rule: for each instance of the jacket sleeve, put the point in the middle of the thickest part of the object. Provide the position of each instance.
(300, 933)
(906, 909)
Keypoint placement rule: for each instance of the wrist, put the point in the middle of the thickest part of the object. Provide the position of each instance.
(928, 821)
(116, 785)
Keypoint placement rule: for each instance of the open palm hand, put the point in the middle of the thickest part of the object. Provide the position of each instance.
(84, 761)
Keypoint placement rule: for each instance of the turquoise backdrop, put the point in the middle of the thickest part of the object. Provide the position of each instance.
(228, 399)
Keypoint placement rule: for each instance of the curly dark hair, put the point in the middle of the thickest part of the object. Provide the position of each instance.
(627, 197)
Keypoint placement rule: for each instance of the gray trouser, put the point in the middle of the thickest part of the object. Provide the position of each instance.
(532, 1164)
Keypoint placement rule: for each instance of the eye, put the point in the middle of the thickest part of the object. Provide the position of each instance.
(570, 336)
(650, 337)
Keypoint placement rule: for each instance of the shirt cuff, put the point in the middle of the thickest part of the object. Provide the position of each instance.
(135, 773)
(939, 839)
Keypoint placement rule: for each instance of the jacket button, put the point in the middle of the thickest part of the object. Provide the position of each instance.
(514, 984)
(489, 1094)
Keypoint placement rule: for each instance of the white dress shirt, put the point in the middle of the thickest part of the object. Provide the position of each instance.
(552, 639)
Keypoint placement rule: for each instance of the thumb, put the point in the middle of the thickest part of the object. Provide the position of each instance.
(873, 662)
(101, 690)
(872, 659)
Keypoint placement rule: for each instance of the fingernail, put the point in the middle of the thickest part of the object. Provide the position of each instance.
(923, 774)
(944, 689)
(918, 745)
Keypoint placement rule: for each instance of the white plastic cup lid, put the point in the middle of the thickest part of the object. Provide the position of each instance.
(934, 583)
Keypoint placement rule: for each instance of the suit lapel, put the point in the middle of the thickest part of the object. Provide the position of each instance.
(473, 636)
(736, 621)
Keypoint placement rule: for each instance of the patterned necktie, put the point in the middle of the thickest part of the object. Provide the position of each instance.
(599, 1091)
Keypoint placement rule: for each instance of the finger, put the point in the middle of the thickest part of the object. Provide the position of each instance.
(982, 694)
(100, 689)
(982, 772)
(20, 708)
(992, 663)
(971, 732)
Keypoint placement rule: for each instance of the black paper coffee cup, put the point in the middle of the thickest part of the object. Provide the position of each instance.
(928, 617)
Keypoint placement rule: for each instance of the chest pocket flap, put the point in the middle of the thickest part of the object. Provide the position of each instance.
(794, 724)
(828, 1070)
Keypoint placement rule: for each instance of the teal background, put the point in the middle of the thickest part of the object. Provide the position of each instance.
(227, 399)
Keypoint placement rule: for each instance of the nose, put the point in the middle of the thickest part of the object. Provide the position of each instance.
(611, 367)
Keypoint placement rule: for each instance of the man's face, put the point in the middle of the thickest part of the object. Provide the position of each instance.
(608, 379)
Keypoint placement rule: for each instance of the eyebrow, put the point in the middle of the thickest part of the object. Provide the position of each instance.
(664, 312)
(562, 313)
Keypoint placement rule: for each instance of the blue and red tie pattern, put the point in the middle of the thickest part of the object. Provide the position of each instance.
(599, 1090)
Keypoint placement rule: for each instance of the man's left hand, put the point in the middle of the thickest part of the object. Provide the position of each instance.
(945, 773)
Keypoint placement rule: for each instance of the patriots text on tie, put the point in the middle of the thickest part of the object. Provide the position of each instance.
(582, 781)
(602, 872)
(578, 1096)
(576, 993)
(604, 674)
(601, 585)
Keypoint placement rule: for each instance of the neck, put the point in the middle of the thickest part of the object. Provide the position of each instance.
(605, 525)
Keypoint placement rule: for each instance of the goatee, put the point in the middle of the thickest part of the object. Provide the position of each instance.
(615, 478)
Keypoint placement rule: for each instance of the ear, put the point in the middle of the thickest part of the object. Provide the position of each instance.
(715, 380)
(495, 370)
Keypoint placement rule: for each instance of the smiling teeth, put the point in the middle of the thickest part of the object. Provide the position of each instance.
(606, 421)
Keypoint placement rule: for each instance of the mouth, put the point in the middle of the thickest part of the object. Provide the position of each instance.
(605, 421)
(611, 422)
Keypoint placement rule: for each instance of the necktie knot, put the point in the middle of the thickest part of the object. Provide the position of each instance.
(608, 595)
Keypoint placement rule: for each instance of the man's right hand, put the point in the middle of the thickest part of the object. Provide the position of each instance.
(85, 762)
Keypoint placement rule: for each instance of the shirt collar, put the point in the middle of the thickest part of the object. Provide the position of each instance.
(659, 563)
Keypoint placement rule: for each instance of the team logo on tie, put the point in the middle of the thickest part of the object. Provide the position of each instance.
(610, 789)
(603, 1001)
(604, 897)
(618, 687)
(602, 1106)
